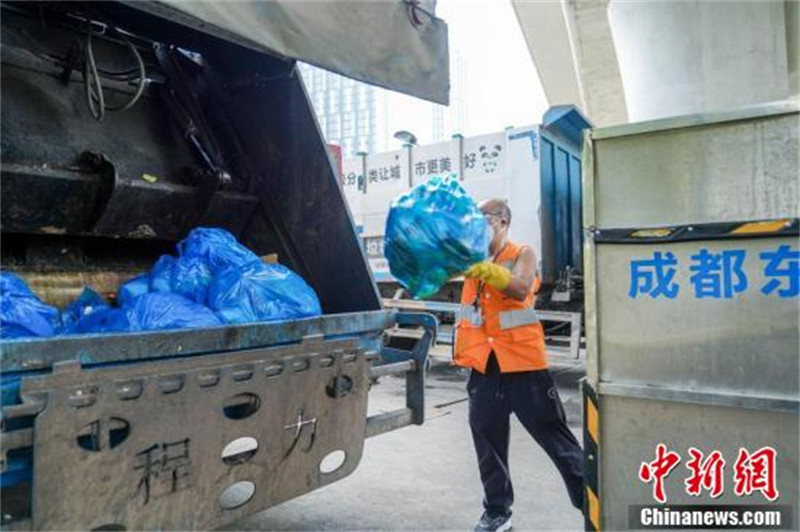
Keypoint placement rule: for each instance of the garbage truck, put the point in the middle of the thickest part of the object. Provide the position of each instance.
(125, 125)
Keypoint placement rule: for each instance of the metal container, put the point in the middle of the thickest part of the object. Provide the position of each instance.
(560, 172)
(692, 310)
(192, 429)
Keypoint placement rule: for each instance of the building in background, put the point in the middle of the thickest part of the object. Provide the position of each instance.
(446, 121)
(346, 110)
(362, 118)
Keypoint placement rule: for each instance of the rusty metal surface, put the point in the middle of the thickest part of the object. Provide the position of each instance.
(118, 408)
(394, 368)
(142, 446)
(389, 421)
(61, 289)
(415, 380)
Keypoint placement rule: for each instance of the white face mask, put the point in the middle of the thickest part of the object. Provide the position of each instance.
(495, 227)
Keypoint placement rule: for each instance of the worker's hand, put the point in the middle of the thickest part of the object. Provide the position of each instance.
(490, 273)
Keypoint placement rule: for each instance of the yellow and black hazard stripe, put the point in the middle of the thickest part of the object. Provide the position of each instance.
(591, 447)
(708, 231)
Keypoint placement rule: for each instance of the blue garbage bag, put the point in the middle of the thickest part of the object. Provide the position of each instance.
(133, 288)
(201, 255)
(22, 314)
(188, 276)
(191, 278)
(262, 292)
(159, 311)
(161, 274)
(103, 320)
(87, 303)
(434, 232)
(13, 286)
(218, 248)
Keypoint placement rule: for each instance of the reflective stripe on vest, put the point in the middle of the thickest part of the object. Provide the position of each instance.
(507, 264)
(516, 318)
(471, 314)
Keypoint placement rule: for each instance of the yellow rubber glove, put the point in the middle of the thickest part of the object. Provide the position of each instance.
(490, 273)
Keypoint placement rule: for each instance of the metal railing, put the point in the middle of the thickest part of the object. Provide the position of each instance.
(556, 345)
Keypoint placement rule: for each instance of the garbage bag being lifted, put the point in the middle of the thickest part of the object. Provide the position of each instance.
(434, 232)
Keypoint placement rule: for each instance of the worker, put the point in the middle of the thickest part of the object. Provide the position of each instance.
(500, 338)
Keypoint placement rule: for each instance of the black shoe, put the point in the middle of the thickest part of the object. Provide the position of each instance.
(493, 523)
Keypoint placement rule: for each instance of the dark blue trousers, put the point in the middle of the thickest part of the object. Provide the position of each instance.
(533, 397)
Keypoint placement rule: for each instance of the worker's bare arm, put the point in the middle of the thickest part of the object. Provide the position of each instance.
(522, 275)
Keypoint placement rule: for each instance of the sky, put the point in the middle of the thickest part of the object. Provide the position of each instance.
(503, 86)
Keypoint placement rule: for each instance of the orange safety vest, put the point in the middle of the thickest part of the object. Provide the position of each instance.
(501, 324)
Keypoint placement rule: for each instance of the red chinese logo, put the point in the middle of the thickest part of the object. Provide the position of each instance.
(706, 474)
(756, 472)
(657, 470)
(752, 472)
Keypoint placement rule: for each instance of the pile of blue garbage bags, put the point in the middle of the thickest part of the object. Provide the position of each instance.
(213, 280)
(434, 232)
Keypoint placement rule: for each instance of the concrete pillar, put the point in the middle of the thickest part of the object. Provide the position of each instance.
(695, 56)
(792, 8)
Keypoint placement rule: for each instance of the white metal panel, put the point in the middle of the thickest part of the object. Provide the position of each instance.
(374, 248)
(484, 166)
(440, 159)
(484, 156)
(523, 185)
(353, 183)
(386, 178)
(374, 224)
